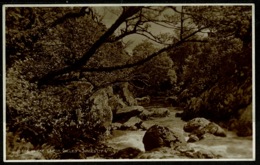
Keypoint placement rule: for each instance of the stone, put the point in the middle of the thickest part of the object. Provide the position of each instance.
(124, 114)
(203, 153)
(116, 126)
(199, 127)
(193, 138)
(154, 112)
(159, 136)
(184, 148)
(180, 152)
(160, 112)
(145, 115)
(127, 153)
(143, 100)
(200, 132)
(144, 126)
(132, 123)
(127, 95)
(215, 129)
(130, 109)
(195, 124)
(100, 115)
(211, 128)
(115, 102)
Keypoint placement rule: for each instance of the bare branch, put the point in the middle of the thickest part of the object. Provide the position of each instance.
(142, 61)
(152, 37)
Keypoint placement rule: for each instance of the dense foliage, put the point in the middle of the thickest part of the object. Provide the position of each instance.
(216, 77)
(49, 114)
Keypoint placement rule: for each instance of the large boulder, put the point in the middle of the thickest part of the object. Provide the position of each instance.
(195, 124)
(199, 127)
(159, 136)
(125, 113)
(100, 115)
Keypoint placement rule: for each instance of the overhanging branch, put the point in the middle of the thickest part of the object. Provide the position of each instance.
(113, 68)
(128, 12)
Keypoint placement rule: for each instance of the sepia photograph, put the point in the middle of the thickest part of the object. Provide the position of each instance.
(136, 82)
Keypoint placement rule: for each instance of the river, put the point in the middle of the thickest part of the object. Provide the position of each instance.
(229, 147)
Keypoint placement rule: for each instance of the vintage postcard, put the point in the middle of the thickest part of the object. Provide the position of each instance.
(135, 82)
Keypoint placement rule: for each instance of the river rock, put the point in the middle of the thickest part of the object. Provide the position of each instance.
(211, 128)
(133, 123)
(201, 154)
(145, 115)
(115, 102)
(199, 127)
(196, 123)
(193, 138)
(215, 129)
(144, 126)
(127, 153)
(154, 112)
(206, 154)
(180, 152)
(184, 148)
(124, 114)
(130, 109)
(159, 136)
(116, 126)
(160, 112)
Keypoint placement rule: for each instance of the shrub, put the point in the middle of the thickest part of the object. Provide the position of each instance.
(48, 114)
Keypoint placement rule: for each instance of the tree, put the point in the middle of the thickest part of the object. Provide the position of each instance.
(216, 78)
(158, 71)
(136, 20)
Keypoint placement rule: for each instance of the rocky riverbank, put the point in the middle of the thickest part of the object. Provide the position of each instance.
(219, 144)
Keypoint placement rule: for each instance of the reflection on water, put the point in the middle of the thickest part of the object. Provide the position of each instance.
(228, 147)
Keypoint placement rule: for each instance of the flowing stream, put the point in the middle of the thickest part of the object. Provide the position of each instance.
(230, 147)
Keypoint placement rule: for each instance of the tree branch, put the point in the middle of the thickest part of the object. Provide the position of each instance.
(113, 68)
(128, 12)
